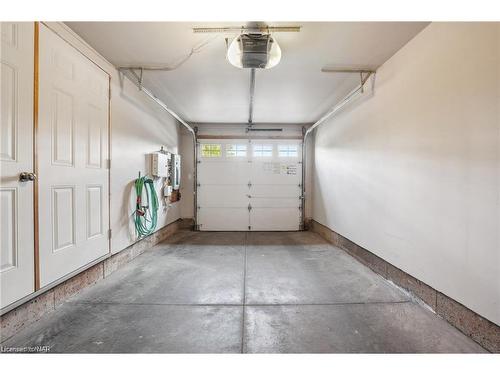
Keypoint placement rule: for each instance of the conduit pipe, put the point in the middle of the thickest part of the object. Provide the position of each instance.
(138, 82)
(346, 100)
(252, 93)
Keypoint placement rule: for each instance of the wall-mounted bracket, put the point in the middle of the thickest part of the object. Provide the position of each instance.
(364, 74)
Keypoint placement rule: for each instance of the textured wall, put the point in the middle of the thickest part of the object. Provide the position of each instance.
(411, 171)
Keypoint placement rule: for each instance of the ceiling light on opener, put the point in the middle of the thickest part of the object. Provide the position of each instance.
(254, 51)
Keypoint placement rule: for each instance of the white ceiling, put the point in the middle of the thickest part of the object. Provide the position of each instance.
(208, 89)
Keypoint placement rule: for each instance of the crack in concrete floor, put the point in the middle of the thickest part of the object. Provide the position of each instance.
(244, 292)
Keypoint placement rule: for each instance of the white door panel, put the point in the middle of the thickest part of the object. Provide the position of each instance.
(275, 219)
(275, 203)
(224, 196)
(16, 156)
(72, 152)
(278, 191)
(223, 172)
(223, 219)
(269, 185)
(277, 172)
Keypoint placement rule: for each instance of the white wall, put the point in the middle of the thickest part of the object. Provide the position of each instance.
(412, 171)
(138, 127)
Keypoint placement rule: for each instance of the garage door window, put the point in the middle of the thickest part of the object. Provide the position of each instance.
(236, 150)
(211, 150)
(288, 151)
(263, 150)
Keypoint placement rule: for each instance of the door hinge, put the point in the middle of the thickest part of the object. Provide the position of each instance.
(109, 233)
(249, 227)
(249, 207)
(108, 163)
(249, 184)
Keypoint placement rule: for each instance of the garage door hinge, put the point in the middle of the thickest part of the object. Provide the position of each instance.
(249, 207)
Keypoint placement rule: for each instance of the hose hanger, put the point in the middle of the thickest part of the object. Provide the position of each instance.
(146, 211)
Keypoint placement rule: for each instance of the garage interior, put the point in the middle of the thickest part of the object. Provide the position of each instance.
(284, 187)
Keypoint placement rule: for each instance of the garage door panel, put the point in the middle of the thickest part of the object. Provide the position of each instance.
(223, 196)
(274, 202)
(274, 219)
(223, 219)
(276, 173)
(223, 172)
(267, 191)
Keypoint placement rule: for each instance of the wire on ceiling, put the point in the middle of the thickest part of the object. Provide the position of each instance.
(197, 48)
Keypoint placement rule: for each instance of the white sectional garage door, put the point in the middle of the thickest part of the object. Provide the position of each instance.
(249, 185)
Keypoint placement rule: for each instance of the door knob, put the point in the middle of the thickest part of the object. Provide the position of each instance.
(27, 176)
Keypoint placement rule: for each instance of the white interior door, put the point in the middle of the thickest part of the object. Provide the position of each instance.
(16, 156)
(249, 185)
(72, 154)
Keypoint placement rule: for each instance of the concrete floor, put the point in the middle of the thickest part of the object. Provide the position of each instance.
(244, 292)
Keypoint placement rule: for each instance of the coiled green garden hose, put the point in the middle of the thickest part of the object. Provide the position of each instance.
(146, 213)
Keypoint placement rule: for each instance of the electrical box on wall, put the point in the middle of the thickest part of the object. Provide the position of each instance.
(160, 164)
(175, 176)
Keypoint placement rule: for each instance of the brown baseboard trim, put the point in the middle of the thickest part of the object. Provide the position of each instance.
(29, 312)
(480, 329)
